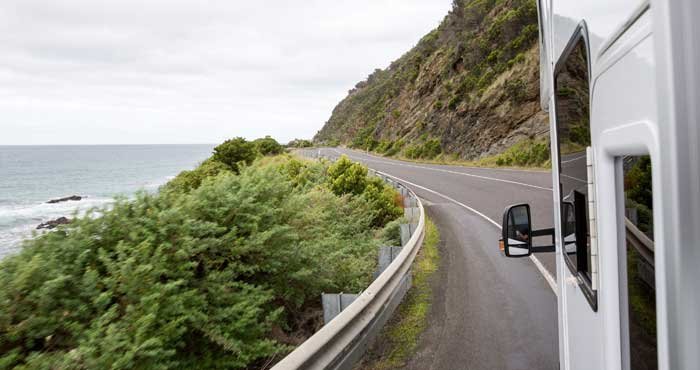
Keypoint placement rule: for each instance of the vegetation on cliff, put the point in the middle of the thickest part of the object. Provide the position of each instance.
(223, 268)
(468, 89)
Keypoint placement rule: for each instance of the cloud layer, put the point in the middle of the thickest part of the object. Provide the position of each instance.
(175, 71)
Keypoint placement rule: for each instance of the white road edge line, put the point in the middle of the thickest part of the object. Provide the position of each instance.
(547, 276)
(448, 171)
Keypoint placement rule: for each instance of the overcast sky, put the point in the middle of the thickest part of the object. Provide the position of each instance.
(173, 71)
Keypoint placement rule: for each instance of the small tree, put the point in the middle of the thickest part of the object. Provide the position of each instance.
(383, 200)
(268, 146)
(347, 177)
(235, 151)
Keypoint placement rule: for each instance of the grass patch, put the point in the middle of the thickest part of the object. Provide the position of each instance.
(520, 156)
(400, 336)
(525, 154)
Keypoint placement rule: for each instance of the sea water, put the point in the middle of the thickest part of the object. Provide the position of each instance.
(32, 175)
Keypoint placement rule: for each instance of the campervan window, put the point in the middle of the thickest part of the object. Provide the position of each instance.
(572, 100)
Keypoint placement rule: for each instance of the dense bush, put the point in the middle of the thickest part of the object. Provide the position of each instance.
(227, 157)
(268, 146)
(516, 89)
(300, 143)
(384, 146)
(527, 153)
(197, 279)
(365, 140)
(638, 182)
(234, 152)
(384, 201)
(347, 177)
(427, 150)
(395, 148)
(638, 190)
(188, 180)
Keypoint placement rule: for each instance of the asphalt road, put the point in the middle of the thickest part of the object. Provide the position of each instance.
(489, 311)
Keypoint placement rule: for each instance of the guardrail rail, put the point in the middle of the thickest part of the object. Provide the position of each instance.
(639, 241)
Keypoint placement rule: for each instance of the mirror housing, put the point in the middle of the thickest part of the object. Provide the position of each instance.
(517, 232)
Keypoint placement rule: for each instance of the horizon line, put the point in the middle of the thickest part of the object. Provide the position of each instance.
(121, 144)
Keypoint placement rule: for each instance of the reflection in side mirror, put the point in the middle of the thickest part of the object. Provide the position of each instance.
(569, 228)
(517, 231)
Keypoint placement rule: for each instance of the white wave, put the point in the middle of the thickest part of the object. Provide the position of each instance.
(18, 222)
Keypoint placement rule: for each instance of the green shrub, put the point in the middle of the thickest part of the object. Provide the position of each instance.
(638, 190)
(526, 153)
(494, 57)
(189, 180)
(414, 151)
(365, 139)
(638, 182)
(268, 146)
(518, 59)
(384, 146)
(516, 89)
(347, 177)
(194, 279)
(486, 79)
(395, 148)
(454, 102)
(300, 143)
(235, 152)
(350, 178)
(383, 200)
(431, 149)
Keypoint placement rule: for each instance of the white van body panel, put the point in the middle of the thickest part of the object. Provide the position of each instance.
(625, 116)
(604, 18)
(677, 50)
(645, 99)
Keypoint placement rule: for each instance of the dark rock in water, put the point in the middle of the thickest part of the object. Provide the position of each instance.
(53, 223)
(59, 200)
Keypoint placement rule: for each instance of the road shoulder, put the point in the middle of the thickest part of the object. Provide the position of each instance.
(401, 335)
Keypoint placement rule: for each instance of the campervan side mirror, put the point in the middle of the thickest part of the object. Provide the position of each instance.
(517, 231)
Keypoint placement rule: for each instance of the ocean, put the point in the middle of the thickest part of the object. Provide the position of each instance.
(32, 175)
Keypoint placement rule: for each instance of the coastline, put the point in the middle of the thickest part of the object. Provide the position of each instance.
(31, 176)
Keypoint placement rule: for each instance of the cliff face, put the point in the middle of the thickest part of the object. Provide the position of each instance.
(471, 86)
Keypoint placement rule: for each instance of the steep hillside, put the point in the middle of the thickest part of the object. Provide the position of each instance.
(469, 89)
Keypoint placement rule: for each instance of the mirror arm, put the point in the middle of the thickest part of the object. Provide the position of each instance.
(544, 248)
(543, 232)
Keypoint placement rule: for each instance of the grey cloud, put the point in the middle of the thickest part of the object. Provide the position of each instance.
(162, 71)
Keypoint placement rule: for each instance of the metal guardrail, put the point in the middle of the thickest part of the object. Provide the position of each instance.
(639, 241)
(340, 343)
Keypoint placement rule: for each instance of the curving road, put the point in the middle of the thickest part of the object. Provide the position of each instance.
(489, 312)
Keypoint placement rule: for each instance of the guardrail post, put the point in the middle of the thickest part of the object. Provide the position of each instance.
(385, 257)
(404, 191)
(406, 233)
(409, 202)
(334, 304)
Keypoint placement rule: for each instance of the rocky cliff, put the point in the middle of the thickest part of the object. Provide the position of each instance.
(468, 89)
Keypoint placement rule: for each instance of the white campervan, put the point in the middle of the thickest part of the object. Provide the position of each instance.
(621, 82)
